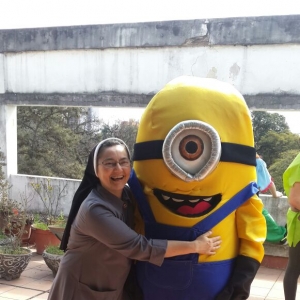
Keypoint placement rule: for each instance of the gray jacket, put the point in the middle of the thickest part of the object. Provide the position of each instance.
(101, 248)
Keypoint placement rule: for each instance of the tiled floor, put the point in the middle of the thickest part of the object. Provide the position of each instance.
(268, 284)
(36, 281)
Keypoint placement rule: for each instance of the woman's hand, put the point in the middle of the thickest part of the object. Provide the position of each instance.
(203, 244)
(207, 245)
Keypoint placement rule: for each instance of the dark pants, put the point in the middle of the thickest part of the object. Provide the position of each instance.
(292, 273)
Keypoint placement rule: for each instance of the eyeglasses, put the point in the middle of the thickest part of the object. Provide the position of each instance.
(111, 164)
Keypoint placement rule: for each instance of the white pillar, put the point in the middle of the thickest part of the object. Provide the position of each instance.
(8, 138)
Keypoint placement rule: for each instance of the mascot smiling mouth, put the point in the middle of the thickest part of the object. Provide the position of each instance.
(186, 205)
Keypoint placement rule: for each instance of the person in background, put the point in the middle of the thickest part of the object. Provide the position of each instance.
(275, 232)
(291, 184)
(99, 241)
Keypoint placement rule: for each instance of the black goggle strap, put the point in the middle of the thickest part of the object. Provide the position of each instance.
(235, 153)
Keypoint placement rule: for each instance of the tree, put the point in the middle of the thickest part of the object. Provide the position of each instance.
(53, 141)
(274, 143)
(125, 130)
(280, 165)
(264, 122)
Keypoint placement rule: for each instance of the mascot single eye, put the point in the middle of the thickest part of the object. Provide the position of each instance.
(191, 147)
(192, 150)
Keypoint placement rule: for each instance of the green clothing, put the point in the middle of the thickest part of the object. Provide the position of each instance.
(275, 233)
(290, 176)
(293, 228)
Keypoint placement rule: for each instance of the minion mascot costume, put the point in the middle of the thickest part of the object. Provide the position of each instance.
(194, 171)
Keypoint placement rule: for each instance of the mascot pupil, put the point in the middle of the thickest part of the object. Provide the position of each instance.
(194, 171)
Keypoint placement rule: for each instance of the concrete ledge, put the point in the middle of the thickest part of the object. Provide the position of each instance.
(276, 256)
(276, 250)
(262, 30)
(275, 262)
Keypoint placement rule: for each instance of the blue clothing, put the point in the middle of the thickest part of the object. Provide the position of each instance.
(263, 176)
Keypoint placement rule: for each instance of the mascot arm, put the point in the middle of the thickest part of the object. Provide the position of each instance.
(239, 284)
(251, 226)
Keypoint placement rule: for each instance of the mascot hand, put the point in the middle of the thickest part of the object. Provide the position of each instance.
(238, 287)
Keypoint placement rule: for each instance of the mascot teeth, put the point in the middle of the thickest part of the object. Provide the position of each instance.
(195, 200)
(207, 199)
(177, 200)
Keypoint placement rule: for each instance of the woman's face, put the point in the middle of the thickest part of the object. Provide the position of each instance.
(113, 169)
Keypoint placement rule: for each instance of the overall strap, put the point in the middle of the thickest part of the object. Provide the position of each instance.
(226, 209)
(140, 198)
(207, 223)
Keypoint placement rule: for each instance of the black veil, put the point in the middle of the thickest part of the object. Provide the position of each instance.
(89, 181)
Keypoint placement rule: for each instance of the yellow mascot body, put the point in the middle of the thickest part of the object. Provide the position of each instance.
(194, 159)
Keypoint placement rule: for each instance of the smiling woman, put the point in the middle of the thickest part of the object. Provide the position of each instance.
(97, 262)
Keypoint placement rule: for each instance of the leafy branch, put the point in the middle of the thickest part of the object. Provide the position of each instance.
(50, 196)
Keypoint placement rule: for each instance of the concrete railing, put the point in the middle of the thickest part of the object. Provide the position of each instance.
(21, 184)
(277, 207)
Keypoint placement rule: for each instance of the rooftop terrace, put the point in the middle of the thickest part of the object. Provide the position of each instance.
(37, 278)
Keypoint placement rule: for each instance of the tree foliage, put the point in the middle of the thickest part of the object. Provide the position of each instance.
(275, 143)
(280, 165)
(55, 141)
(264, 122)
(124, 130)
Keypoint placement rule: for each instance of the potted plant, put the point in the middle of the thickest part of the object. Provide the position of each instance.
(58, 227)
(42, 229)
(13, 257)
(42, 236)
(52, 256)
(15, 227)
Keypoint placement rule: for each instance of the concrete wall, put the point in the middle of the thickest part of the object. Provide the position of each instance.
(125, 64)
(277, 207)
(21, 186)
(252, 70)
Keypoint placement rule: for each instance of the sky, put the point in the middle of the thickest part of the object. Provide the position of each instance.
(48, 13)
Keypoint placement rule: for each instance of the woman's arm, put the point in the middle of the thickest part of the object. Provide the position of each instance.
(202, 245)
(294, 198)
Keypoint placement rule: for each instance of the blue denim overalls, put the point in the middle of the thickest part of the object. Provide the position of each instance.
(183, 277)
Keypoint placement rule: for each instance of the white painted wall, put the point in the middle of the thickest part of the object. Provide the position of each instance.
(8, 137)
(11, 140)
(252, 69)
(21, 185)
(2, 72)
(3, 129)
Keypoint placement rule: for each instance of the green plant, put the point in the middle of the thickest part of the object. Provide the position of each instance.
(41, 225)
(54, 250)
(37, 218)
(13, 216)
(50, 196)
(61, 220)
